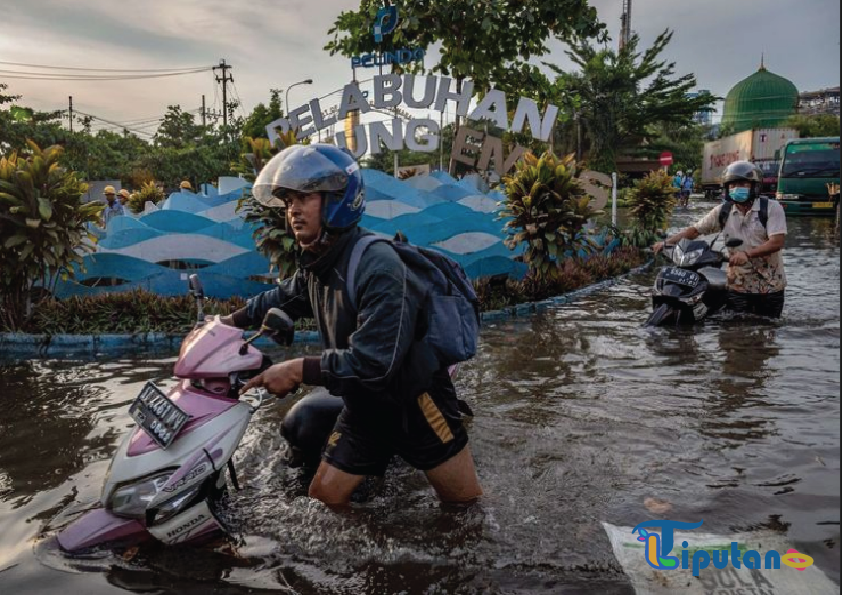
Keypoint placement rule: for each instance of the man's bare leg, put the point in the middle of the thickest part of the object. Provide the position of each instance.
(455, 481)
(333, 487)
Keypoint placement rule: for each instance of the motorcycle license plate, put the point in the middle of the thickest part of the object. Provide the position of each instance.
(681, 276)
(157, 415)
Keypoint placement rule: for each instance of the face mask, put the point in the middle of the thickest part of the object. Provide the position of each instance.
(739, 195)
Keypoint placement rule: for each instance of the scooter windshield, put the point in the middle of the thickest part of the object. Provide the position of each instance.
(213, 350)
(687, 254)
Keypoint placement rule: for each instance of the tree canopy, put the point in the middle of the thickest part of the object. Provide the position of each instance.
(624, 96)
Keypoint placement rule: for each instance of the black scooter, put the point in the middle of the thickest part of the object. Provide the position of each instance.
(693, 288)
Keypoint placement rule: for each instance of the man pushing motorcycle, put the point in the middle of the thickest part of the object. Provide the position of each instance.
(398, 397)
(756, 276)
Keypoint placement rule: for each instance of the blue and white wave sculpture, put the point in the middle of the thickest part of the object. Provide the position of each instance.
(159, 248)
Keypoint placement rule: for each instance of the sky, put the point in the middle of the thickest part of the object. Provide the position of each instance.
(275, 43)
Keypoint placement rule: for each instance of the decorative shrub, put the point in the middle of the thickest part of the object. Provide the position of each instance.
(652, 200)
(43, 227)
(549, 209)
(148, 192)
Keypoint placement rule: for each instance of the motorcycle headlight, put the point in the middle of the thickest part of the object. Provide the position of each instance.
(131, 500)
(688, 258)
(178, 503)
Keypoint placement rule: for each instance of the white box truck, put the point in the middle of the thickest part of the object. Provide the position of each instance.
(762, 146)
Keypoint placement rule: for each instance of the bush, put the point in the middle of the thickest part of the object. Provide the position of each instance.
(148, 192)
(43, 227)
(140, 311)
(651, 200)
(137, 311)
(573, 274)
(271, 236)
(548, 209)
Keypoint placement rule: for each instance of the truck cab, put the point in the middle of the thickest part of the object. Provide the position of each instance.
(808, 168)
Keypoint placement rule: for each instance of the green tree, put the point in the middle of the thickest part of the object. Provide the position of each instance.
(105, 155)
(814, 125)
(685, 142)
(623, 94)
(178, 129)
(485, 41)
(256, 122)
(19, 123)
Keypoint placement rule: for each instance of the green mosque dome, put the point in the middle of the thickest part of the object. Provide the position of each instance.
(763, 100)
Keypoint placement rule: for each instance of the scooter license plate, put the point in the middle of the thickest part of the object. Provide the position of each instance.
(681, 276)
(158, 415)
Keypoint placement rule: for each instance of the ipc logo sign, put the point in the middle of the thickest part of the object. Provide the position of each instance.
(385, 23)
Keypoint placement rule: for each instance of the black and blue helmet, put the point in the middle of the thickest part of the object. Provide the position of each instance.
(321, 168)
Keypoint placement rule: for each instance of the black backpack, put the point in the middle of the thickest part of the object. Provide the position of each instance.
(725, 212)
(452, 308)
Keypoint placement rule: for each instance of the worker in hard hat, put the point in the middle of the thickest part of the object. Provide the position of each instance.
(185, 185)
(113, 207)
(125, 195)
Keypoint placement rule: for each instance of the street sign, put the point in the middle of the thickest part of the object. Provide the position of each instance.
(666, 158)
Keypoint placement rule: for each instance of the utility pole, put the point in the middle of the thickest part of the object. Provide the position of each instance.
(625, 24)
(204, 113)
(224, 79)
(70, 111)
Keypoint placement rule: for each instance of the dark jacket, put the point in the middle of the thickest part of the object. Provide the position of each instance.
(371, 356)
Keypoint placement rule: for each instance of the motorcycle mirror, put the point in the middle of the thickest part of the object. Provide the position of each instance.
(734, 243)
(196, 286)
(278, 321)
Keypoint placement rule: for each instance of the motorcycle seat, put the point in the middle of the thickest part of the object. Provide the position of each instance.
(717, 278)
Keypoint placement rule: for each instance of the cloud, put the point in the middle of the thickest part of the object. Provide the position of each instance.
(274, 43)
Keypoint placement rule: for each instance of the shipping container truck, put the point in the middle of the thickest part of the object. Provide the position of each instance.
(761, 146)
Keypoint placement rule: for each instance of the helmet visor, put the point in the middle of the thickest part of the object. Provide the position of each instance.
(298, 169)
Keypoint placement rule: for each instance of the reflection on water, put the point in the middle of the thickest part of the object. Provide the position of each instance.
(581, 416)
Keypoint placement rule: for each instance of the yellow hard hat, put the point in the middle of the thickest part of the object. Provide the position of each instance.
(109, 190)
(125, 193)
(186, 185)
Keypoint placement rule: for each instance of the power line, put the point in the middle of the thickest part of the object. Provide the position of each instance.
(42, 66)
(117, 124)
(12, 74)
(239, 101)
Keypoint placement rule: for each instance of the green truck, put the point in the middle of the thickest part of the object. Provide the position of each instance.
(808, 168)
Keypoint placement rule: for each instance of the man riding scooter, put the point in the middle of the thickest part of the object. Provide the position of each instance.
(756, 276)
(397, 399)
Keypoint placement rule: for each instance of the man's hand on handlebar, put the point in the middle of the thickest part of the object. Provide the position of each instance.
(658, 247)
(280, 379)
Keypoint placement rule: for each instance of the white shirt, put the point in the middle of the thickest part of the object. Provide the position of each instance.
(761, 275)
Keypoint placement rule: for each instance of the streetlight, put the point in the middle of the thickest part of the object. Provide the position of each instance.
(286, 97)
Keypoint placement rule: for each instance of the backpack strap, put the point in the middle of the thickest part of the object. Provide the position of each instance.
(764, 211)
(356, 256)
(763, 214)
(724, 214)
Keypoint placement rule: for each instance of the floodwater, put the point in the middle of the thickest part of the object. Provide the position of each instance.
(581, 416)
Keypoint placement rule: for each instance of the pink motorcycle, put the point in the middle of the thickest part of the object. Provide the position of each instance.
(168, 477)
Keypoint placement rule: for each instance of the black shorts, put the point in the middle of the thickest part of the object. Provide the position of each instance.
(762, 305)
(363, 442)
